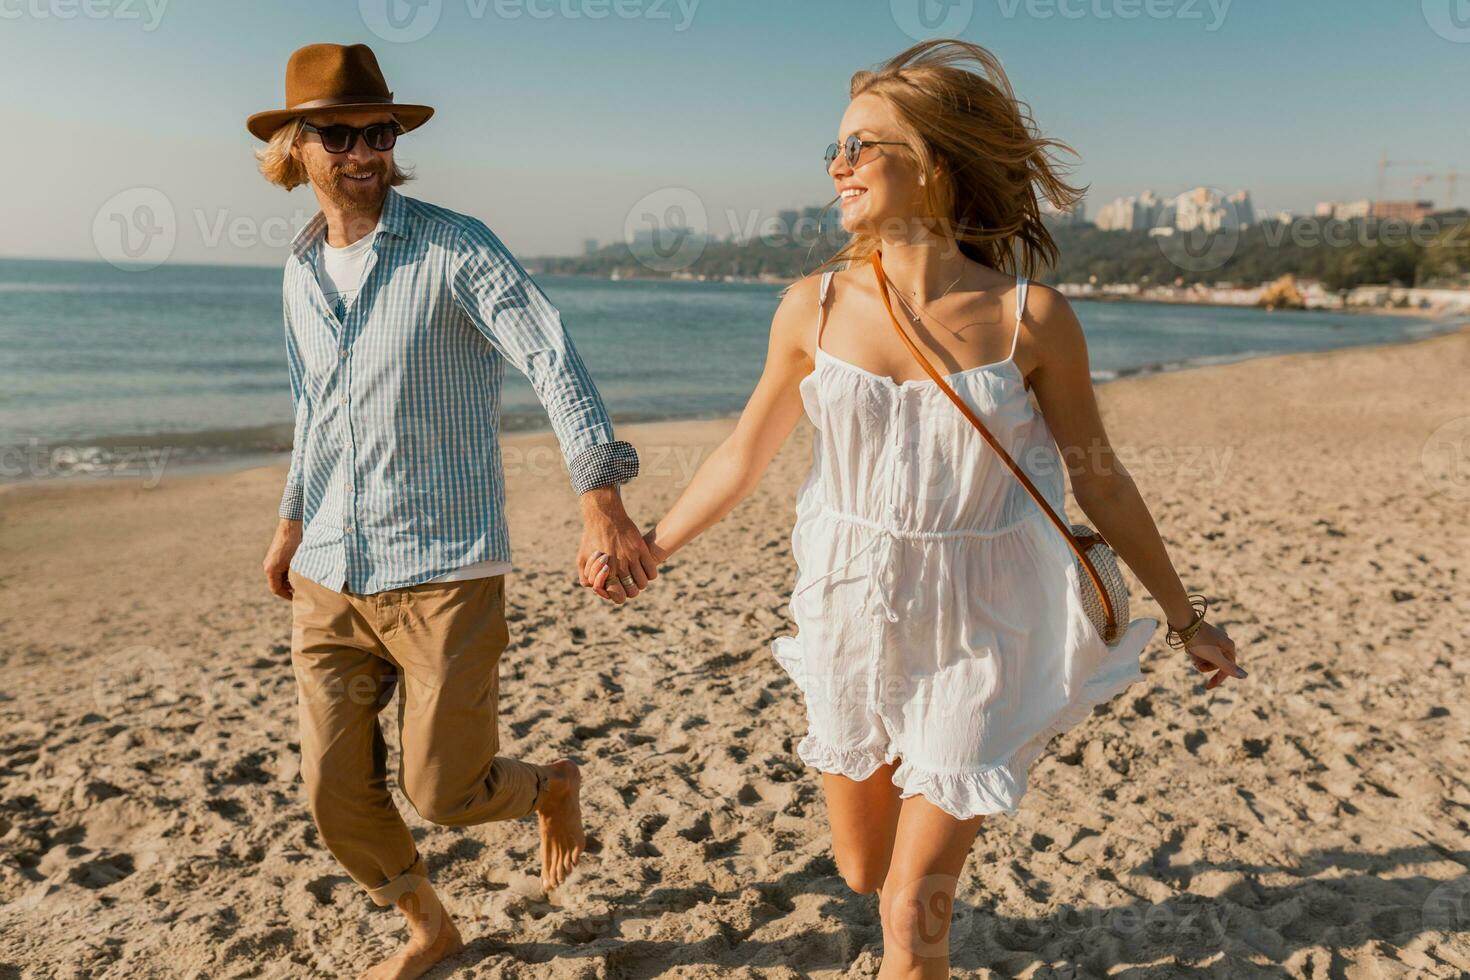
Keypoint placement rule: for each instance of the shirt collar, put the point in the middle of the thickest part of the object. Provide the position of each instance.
(395, 215)
(393, 221)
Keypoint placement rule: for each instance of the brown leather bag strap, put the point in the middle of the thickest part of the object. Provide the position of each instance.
(974, 419)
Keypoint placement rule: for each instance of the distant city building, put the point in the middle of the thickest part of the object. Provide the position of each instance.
(1344, 211)
(826, 220)
(1358, 210)
(665, 238)
(1201, 209)
(1075, 215)
(1245, 211)
(806, 226)
(1131, 213)
(1403, 210)
(589, 246)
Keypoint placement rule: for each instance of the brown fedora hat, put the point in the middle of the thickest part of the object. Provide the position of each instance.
(334, 76)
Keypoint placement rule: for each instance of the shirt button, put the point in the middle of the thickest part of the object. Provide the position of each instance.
(343, 352)
(344, 398)
(349, 488)
(347, 529)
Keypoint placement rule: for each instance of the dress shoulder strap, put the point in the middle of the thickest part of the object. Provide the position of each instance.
(822, 294)
(1021, 284)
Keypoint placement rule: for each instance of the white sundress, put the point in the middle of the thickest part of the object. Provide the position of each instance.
(938, 614)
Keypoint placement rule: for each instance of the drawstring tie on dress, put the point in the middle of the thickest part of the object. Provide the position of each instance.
(883, 535)
(882, 545)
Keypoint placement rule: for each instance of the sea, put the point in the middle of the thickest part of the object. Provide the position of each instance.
(101, 365)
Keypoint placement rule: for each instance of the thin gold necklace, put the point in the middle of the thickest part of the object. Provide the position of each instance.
(937, 298)
(918, 321)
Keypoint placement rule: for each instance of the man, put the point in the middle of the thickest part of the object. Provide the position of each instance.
(392, 543)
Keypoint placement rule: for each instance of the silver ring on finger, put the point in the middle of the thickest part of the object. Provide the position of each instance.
(627, 581)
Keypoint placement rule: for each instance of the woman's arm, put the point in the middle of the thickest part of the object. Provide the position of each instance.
(734, 469)
(1062, 380)
(736, 466)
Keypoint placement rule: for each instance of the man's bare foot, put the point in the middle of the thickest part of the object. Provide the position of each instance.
(432, 937)
(418, 955)
(559, 812)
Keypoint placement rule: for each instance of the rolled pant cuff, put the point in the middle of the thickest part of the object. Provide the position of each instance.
(405, 881)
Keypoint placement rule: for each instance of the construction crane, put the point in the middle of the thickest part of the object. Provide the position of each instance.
(1384, 163)
(1451, 183)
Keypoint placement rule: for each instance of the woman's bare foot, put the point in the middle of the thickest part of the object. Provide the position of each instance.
(432, 937)
(559, 812)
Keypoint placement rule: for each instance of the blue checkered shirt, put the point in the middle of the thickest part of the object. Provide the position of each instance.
(396, 469)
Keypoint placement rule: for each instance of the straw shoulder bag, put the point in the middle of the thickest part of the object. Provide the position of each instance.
(1104, 591)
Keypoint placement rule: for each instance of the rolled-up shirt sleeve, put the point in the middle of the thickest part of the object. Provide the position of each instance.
(292, 497)
(506, 305)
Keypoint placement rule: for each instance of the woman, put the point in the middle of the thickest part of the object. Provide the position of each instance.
(942, 641)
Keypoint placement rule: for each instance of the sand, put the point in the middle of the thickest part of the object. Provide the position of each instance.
(1310, 821)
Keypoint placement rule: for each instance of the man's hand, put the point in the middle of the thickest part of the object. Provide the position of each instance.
(278, 558)
(608, 529)
(595, 569)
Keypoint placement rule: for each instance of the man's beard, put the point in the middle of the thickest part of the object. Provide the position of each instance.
(368, 198)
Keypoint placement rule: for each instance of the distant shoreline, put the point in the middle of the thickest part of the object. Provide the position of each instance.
(227, 450)
(1349, 310)
(531, 263)
(1093, 298)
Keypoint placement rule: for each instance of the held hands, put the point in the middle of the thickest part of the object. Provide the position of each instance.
(597, 572)
(614, 560)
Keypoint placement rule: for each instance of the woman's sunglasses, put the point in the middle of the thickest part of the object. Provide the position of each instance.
(852, 148)
(341, 138)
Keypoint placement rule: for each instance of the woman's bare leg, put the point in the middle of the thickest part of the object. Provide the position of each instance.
(864, 816)
(917, 901)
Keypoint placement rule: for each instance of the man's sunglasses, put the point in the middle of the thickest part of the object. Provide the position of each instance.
(341, 138)
(852, 148)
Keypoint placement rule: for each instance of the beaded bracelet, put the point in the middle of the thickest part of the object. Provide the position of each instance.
(1178, 638)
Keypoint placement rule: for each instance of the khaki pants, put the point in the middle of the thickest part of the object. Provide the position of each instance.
(441, 644)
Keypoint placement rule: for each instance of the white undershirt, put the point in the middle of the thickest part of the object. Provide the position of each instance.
(480, 569)
(339, 271)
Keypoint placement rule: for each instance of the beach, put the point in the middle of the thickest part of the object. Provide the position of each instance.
(1309, 821)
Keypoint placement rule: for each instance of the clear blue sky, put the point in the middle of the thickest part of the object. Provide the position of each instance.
(553, 121)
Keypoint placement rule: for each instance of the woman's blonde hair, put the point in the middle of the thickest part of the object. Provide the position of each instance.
(278, 166)
(986, 167)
